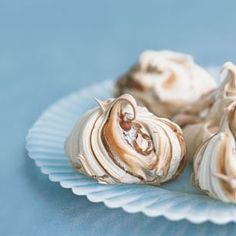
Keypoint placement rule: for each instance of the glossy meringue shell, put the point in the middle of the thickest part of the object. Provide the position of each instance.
(165, 81)
(215, 161)
(120, 142)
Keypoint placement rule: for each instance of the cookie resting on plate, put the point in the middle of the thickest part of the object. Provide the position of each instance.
(121, 142)
(165, 82)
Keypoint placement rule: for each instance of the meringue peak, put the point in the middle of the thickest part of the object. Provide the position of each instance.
(101, 104)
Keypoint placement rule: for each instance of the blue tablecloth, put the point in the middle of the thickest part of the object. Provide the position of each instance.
(49, 48)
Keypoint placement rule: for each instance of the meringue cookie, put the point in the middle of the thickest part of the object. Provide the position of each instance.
(165, 81)
(215, 161)
(201, 119)
(120, 142)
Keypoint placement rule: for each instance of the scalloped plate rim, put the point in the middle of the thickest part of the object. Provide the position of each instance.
(168, 215)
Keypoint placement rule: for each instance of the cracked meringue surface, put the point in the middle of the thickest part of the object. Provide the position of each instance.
(165, 81)
(215, 161)
(201, 119)
(121, 142)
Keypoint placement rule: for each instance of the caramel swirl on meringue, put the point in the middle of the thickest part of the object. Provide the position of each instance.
(215, 161)
(201, 119)
(120, 142)
(165, 81)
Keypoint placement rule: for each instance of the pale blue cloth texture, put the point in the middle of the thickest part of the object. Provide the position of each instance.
(50, 48)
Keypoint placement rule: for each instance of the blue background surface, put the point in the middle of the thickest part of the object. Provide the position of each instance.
(50, 48)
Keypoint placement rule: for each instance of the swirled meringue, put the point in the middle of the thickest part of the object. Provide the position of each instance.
(201, 119)
(120, 142)
(165, 81)
(215, 161)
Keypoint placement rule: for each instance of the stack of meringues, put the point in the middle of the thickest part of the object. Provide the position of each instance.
(167, 111)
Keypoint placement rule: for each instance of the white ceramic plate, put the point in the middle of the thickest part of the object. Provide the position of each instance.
(175, 200)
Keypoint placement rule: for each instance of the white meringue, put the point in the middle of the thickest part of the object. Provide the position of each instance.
(165, 81)
(215, 161)
(201, 120)
(120, 142)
